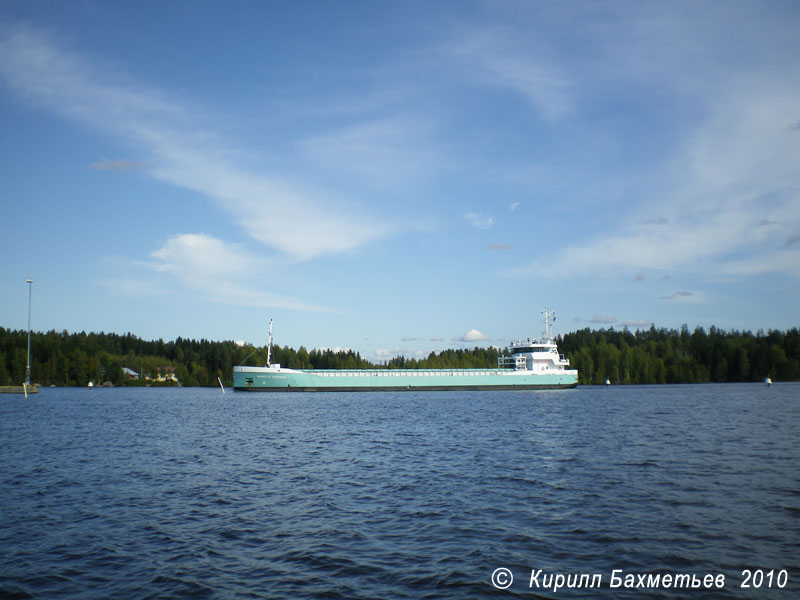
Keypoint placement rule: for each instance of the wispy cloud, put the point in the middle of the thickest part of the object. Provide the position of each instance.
(495, 58)
(279, 213)
(784, 260)
(121, 164)
(220, 270)
(732, 163)
(607, 320)
(199, 258)
(479, 220)
(637, 324)
(384, 151)
(710, 237)
(602, 320)
(202, 264)
(499, 246)
(656, 221)
(678, 294)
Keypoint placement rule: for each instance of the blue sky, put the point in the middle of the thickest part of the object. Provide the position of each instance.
(398, 177)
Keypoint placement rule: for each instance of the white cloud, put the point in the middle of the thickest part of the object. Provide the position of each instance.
(201, 257)
(473, 335)
(335, 350)
(219, 271)
(740, 170)
(281, 214)
(479, 220)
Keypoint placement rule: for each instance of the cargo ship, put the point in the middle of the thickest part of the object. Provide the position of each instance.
(531, 365)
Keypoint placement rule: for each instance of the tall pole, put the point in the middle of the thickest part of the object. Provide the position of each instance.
(28, 366)
(269, 344)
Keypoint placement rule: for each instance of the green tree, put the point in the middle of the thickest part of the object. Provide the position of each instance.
(4, 377)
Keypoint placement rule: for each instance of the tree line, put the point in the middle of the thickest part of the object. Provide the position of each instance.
(641, 357)
(69, 359)
(74, 359)
(669, 356)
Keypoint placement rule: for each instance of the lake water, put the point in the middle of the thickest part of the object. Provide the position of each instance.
(186, 493)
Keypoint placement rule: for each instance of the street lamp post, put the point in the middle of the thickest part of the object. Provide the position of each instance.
(28, 366)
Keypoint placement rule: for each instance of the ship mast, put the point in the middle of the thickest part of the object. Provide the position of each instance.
(546, 313)
(269, 343)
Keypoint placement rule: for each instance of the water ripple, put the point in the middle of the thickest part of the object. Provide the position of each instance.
(187, 494)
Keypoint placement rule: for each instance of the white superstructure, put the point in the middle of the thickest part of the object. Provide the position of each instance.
(537, 356)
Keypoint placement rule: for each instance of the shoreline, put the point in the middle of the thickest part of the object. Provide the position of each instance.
(19, 389)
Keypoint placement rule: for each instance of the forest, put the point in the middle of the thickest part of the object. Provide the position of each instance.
(669, 356)
(641, 357)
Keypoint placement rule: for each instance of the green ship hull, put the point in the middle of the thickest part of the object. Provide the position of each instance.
(271, 379)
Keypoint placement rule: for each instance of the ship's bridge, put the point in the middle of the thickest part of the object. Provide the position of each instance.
(533, 355)
(531, 346)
